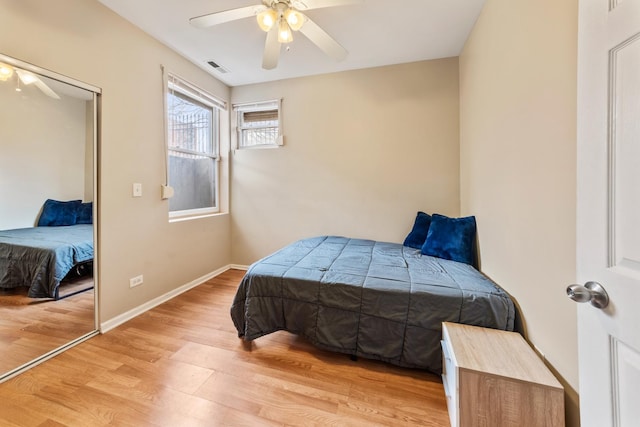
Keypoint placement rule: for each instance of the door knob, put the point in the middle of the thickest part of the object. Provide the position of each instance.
(592, 292)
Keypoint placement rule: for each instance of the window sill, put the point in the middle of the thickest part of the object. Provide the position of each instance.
(192, 217)
(258, 147)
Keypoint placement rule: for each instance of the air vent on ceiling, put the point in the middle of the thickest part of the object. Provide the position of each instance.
(217, 67)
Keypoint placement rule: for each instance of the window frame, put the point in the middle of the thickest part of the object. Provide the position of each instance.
(191, 93)
(258, 106)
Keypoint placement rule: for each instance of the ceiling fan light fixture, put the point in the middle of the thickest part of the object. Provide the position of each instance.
(26, 77)
(6, 71)
(279, 18)
(284, 32)
(294, 18)
(267, 19)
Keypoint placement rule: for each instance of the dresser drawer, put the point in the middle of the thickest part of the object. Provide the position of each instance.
(450, 382)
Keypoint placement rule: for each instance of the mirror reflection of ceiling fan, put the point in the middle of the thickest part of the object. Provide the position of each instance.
(26, 78)
(279, 18)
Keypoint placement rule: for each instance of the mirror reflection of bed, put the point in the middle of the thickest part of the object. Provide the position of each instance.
(47, 257)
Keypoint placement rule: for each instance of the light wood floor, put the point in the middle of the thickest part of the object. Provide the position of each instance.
(182, 364)
(31, 327)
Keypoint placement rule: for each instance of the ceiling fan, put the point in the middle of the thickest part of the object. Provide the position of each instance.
(278, 18)
(26, 78)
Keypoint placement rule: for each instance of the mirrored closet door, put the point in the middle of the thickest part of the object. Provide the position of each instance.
(48, 214)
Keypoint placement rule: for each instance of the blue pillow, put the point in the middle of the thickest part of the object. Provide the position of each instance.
(56, 213)
(452, 238)
(85, 213)
(417, 236)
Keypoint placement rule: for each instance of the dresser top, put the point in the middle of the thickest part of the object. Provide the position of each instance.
(496, 352)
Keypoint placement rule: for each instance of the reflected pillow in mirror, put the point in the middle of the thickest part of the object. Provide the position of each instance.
(57, 213)
(452, 238)
(85, 213)
(418, 234)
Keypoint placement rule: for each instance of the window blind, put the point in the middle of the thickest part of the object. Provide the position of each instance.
(178, 84)
(259, 116)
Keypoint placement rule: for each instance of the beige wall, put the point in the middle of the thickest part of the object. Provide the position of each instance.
(42, 152)
(364, 151)
(84, 40)
(518, 164)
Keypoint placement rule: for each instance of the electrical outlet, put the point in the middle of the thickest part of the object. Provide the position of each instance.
(136, 281)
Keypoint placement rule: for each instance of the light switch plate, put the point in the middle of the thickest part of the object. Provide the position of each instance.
(137, 189)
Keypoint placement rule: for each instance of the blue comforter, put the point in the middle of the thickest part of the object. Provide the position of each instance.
(372, 299)
(41, 257)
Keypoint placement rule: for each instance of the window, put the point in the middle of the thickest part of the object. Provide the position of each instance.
(259, 124)
(193, 123)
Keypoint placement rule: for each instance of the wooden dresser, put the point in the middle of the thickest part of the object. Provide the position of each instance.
(494, 378)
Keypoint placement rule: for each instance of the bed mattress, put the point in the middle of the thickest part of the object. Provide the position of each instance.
(366, 298)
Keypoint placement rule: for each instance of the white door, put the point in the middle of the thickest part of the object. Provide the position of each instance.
(609, 210)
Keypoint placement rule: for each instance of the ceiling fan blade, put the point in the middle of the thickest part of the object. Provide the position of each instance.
(317, 4)
(271, 49)
(46, 89)
(323, 40)
(27, 78)
(216, 18)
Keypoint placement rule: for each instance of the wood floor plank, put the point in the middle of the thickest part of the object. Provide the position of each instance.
(244, 419)
(183, 377)
(31, 327)
(182, 364)
(13, 415)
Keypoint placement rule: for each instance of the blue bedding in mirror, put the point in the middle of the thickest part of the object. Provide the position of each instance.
(41, 257)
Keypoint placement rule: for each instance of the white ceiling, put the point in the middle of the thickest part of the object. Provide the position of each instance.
(375, 32)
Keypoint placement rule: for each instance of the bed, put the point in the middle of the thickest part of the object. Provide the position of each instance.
(366, 298)
(40, 257)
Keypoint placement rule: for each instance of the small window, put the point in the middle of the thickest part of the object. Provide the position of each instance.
(193, 123)
(259, 124)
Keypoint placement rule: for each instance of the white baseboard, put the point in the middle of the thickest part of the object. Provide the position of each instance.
(238, 267)
(124, 317)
